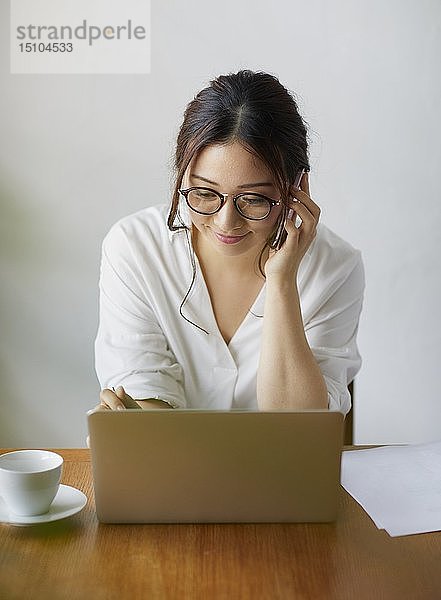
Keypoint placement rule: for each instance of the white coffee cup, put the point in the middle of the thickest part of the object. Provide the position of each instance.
(29, 480)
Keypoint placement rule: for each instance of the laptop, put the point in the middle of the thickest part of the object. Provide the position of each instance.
(215, 466)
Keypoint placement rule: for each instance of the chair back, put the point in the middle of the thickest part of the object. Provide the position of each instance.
(349, 423)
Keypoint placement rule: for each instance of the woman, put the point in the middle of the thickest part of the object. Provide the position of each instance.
(198, 307)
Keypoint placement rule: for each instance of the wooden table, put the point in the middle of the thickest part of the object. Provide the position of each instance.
(79, 558)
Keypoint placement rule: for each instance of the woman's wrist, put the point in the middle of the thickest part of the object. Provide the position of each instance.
(282, 290)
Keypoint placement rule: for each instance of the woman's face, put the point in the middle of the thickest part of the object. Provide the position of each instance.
(232, 170)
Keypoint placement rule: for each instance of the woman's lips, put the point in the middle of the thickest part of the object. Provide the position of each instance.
(229, 239)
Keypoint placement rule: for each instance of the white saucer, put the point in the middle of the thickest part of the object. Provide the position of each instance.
(67, 502)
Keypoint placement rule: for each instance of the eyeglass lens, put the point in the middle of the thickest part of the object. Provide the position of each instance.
(206, 201)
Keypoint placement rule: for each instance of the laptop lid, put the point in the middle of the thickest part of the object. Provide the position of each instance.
(197, 466)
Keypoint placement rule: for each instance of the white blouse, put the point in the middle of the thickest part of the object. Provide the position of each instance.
(144, 344)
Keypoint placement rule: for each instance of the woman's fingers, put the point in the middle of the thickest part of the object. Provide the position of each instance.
(117, 399)
(109, 399)
(307, 201)
(309, 221)
(304, 206)
(125, 398)
(304, 183)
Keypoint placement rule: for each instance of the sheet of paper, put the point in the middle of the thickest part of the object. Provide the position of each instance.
(398, 486)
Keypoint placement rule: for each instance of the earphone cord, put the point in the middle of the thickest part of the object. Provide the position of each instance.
(193, 264)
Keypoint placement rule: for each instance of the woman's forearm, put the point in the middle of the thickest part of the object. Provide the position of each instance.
(288, 374)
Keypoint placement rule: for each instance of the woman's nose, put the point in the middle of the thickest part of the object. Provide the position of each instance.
(228, 218)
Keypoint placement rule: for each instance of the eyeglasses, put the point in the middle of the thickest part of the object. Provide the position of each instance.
(206, 201)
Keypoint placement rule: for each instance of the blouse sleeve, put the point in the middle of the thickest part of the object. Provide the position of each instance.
(130, 347)
(332, 336)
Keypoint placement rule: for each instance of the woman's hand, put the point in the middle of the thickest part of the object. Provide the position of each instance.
(116, 400)
(286, 261)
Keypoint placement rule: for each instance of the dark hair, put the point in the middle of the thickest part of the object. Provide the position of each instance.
(252, 108)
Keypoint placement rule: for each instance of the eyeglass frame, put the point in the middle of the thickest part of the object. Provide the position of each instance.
(223, 198)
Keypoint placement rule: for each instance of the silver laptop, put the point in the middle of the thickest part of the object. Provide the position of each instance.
(200, 466)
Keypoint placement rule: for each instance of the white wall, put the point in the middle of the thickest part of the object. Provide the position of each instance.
(79, 151)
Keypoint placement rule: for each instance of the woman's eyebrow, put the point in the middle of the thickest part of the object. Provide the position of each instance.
(243, 186)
